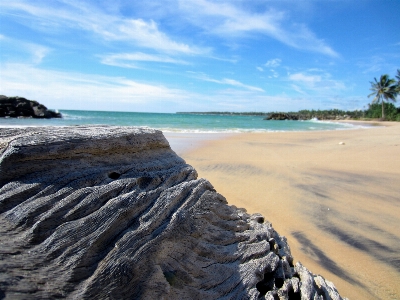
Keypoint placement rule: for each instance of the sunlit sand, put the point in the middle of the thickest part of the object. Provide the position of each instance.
(335, 195)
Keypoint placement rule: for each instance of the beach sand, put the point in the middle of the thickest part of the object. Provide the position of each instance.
(338, 204)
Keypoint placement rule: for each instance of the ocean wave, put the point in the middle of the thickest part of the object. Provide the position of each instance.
(345, 125)
(67, 116)
(228, 130)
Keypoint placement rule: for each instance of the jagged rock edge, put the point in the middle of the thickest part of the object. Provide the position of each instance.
(167, 262)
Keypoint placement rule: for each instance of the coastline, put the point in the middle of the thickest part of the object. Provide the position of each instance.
(184, 142)
(338, 204)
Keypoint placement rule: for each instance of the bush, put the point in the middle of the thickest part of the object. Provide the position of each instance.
(375, 111)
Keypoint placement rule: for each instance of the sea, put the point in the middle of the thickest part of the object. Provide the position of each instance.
(182, 130)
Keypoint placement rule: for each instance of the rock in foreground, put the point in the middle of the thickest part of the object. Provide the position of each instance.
(114, 213)
(18, 107)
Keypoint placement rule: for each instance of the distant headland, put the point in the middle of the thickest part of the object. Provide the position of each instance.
(19, 107)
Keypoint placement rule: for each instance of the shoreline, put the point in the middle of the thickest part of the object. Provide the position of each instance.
(184, 142)
(338, 204)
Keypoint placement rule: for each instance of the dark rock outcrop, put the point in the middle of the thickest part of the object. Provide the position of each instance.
(15, 107)
(114, 213)
(281, 116)
(303, 117)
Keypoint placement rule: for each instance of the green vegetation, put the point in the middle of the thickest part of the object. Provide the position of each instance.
(386, 89)
(398, 81)
(392, 113)
(330, 114)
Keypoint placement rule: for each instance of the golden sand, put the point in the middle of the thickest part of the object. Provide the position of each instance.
(334, 194)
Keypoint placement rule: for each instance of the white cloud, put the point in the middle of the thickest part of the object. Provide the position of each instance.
(315, 83)
(38, 52)
(274, 73)
(260, 69)
(147, 34)
(73, 90)
(35, 52)
(125, 59)
(227, 20)
(273, 63)
(305, 78)
(233, 100)
(227, 81)
(82, 16)
(298, 89)
(239, 84)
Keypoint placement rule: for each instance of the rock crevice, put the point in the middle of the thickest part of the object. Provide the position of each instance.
(113, 213)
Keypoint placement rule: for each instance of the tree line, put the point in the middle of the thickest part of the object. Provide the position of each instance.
(386, 90)
(374, 111)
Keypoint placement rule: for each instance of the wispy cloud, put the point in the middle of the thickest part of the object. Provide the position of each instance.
(34, 52)
(377, 65)
(273, 63)
(72, 90)
(38, 52)
(233, 100)
(226, 81)
(309, 79)
(274, 74)
(260, 69)
(87, 91)
(228, 20)
(110, 27)
(298, 89)
(126, 60)
(315, 83)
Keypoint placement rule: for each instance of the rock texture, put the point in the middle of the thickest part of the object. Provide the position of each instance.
(281, 116)
(18, 107)
(114, 213)
(304, 116)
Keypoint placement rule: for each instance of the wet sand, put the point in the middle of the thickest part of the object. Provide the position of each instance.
(338, 205)
(184, 142)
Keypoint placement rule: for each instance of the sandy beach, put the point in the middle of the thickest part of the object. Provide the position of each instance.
(334, 194)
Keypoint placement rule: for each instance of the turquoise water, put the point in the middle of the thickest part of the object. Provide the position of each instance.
(183, 123)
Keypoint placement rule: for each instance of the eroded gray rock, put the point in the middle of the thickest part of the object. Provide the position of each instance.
(114, 213)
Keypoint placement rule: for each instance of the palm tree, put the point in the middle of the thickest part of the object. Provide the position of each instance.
(384, 89)
(398, 81)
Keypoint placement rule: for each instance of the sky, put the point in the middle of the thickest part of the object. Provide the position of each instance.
(197, 55)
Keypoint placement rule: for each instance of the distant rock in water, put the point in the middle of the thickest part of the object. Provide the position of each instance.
(16, 107)
(301, 116)
(281, 116)
(113, 213)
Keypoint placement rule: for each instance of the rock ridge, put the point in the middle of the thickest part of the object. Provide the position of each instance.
(101, 212)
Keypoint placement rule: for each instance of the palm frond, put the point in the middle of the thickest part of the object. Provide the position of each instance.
(372, 94)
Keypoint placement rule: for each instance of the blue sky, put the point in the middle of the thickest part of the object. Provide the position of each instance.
(197, 55)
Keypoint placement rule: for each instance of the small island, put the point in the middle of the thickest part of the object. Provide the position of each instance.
(19, 107)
